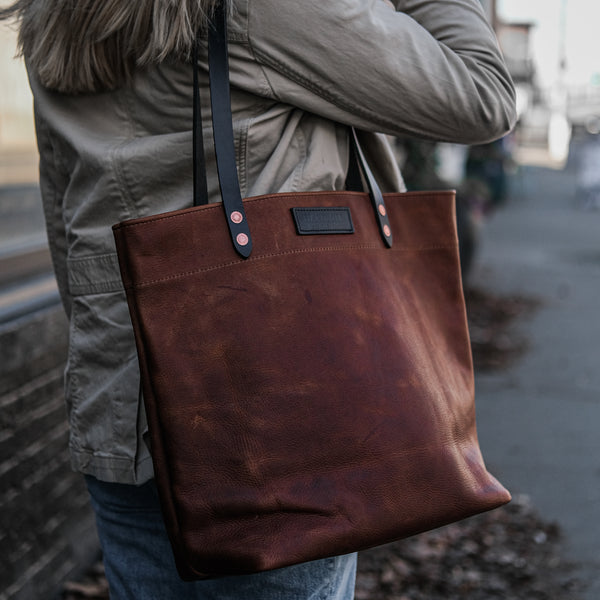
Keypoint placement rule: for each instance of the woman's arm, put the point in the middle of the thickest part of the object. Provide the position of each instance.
(426, 68)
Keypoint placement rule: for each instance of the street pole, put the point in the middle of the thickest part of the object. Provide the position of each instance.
(494, 11)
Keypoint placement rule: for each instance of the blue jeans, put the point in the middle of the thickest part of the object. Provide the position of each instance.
(139, 563)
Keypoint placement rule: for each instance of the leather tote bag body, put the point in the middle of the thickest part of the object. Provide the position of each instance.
(308, 381)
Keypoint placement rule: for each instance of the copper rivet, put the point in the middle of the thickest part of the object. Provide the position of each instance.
(387, 231)
(382, 210)
(242, 239)
(237, 217)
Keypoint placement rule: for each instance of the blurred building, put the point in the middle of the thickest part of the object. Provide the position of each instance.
(543, 130)
(514, 40)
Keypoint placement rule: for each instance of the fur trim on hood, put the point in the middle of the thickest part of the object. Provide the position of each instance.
(83, 46)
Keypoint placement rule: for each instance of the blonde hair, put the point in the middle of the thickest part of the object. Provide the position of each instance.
(79, 46)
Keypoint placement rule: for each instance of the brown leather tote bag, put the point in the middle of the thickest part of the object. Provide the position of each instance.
(308, 381)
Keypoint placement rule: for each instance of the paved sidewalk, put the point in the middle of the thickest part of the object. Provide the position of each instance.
(539, 421)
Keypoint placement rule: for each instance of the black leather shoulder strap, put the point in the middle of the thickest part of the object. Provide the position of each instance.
(218, 62)
(222, 121)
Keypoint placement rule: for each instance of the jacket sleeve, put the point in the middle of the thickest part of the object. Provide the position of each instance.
(426, 68)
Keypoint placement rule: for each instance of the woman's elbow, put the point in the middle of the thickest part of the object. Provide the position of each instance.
(501, 122)
(495, 116)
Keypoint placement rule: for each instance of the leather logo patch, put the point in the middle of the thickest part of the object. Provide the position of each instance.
(323, 221)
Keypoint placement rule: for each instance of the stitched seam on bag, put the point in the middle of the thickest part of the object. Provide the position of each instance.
(289, 252)
(281, 195)
(219, 206)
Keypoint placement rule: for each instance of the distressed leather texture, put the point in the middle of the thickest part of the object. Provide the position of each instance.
(315, 399)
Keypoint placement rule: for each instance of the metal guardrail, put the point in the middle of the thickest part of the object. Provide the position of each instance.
(23, 257)
(27, 283)
(28, 297)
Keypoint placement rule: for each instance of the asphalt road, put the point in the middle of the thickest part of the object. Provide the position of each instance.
(539, 420)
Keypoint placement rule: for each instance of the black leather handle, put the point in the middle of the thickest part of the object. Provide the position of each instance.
(374, 193)
(218, 66)
(218, 62)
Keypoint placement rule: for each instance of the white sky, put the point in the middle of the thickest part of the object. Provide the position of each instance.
(582, 35)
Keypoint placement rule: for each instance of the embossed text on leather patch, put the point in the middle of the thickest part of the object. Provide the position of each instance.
(323, 220)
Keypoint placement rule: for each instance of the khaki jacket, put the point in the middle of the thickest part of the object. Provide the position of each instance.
(301, 72)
